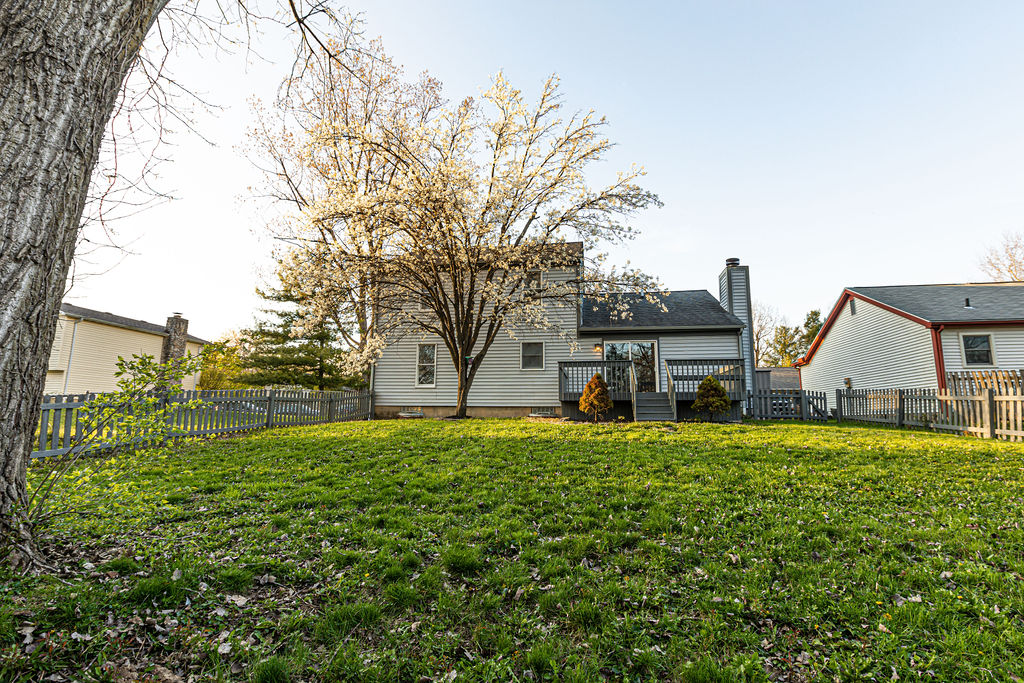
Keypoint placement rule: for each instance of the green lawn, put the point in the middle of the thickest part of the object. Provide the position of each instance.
(506, 549)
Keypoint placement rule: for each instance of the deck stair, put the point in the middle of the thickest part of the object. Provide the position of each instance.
(653, 406)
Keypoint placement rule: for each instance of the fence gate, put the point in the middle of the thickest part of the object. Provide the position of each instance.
(788, 404)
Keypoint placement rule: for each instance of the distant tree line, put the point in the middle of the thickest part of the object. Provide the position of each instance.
(777, 344)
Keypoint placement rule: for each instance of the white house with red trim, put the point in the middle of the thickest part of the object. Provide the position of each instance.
(909, 336)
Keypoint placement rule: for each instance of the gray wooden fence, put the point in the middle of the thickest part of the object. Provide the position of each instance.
(788, 404)
(986, 414)
(61, 427)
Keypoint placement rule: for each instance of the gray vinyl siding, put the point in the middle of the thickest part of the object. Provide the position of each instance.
(1007, 344)
(875, 349)
(690, 346)
(499, 382)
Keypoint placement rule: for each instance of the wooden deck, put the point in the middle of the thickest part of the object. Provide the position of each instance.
(686, 375)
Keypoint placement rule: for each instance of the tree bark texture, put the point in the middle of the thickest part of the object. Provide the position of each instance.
(62, 64)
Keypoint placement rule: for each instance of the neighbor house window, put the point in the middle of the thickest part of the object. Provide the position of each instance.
(977, 349)
(531, 356)
(426, 364)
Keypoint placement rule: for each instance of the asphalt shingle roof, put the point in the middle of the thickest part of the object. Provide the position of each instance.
(120, 321)
(945, 303)
(684, 309)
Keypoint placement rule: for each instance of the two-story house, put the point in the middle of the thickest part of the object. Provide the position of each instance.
(653, 357)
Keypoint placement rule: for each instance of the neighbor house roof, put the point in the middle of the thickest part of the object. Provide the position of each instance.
(687, 309)
(119, 321)
(935, 306)
(1002, 301)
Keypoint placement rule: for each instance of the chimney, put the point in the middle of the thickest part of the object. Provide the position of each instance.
(174, 342)
(734, 295)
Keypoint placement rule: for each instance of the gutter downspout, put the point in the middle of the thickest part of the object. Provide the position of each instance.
(71, 354)
(940, 361)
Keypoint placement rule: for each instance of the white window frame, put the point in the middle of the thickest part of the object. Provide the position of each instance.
(416, 375)
(991, 350)
(543, 356)
(534, 289)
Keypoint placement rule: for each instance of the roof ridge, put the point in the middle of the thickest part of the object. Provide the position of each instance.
(109, 318)
(945, 284)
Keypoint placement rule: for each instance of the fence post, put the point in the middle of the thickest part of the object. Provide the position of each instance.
(988, 413)
(330, 409)
(370, 401)
(804, 406)
(270, 407)
(839, 406)
(900, 408)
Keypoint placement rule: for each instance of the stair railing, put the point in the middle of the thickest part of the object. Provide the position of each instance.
(632, 387)
(671, 392)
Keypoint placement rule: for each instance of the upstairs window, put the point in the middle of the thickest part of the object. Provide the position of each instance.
(426, 365)
(531, 356)
(532, 281)
(977, 349)
(853, 307)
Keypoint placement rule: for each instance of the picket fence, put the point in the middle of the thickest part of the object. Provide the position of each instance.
(973, 381)
(986, 414)
(62, 426)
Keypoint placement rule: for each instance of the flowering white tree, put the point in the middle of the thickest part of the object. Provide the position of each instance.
(470, 202)
(1005, 262)
(315, 262)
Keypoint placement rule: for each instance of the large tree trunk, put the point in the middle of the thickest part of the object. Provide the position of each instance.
(62, 63)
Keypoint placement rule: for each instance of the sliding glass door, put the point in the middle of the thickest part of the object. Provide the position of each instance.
(645, 361)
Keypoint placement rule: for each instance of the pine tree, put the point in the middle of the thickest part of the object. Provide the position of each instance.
(711, 398)
(595, 399)
(812, 325)
(784, 347)
(276, 353)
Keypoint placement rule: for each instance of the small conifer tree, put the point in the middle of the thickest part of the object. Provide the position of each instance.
(595, 399)
(711, 398)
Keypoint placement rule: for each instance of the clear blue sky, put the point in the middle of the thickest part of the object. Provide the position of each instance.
(825, 144)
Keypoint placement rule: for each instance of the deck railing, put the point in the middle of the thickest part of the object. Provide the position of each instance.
(684, 377)
(632, 386)
(671, 392)
(573, 376)
(687, 375)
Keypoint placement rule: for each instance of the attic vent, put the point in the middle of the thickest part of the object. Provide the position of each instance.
(967, 303)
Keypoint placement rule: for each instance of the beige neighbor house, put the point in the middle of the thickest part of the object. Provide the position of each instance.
(910, 336)
(88, 343)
